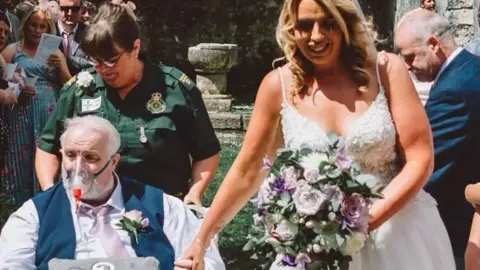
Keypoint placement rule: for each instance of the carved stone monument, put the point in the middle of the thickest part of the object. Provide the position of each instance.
(212, 62)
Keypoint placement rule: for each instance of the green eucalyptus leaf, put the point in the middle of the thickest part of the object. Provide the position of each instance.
(334, 173)
(367, 180)
(340, 239)
(249, 245)
(333, 137)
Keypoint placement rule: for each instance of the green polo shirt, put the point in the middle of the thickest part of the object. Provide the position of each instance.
(162, 122)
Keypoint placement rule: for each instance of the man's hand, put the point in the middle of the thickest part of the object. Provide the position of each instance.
(193, 198)
(183, 264)
(192, 258)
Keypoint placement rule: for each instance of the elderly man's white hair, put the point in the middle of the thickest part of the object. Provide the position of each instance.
(90, 124)
(423, 23)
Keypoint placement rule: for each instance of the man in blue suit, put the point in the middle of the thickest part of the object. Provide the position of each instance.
(427, 44)
(78, 217)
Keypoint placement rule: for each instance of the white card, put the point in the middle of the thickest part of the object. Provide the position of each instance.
(91, 104)
(48, 44)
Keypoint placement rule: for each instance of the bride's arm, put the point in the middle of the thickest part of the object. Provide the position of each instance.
(472, 253)
(414, 141)
(244, 178)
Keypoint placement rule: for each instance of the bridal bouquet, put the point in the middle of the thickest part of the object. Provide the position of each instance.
(312, 210)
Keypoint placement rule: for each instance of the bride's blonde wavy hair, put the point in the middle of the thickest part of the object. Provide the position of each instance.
(358, 37)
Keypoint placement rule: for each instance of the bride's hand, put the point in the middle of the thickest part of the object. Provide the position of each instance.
(195, 254)
(472, 194)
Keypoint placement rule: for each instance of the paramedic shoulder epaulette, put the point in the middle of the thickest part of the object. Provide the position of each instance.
(176, 76)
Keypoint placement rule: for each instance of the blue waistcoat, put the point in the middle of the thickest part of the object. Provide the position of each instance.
(56, 236)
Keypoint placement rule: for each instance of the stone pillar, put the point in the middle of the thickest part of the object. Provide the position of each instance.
(212, 61)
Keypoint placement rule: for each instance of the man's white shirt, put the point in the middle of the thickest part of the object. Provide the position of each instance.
(19, 235)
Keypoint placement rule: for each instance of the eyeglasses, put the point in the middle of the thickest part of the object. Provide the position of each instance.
(109, 63)
(66, 9)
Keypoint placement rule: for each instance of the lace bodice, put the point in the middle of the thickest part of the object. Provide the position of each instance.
(371, 142)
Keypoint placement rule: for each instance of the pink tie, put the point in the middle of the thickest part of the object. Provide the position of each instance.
(109, 237)
(66, 44)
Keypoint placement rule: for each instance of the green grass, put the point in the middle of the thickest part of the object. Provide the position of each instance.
(234, 236)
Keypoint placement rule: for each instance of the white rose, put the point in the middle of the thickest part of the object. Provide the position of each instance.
(84, 79)
(277, 218)
(317, 248)
(286, 230)
(134, 215)
(308, 200)
(353, 243)
(312, 161)
(312, 176)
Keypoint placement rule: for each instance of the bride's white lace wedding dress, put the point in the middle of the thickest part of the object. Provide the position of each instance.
(413, 239)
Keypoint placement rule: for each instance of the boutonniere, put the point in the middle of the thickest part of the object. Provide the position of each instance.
(84, 80)
(133, 222)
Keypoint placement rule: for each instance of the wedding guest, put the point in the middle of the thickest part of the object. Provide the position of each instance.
(452, 108)
(28, 118)
(169, 141)
(428, 4)
(70, 28)
(22, 9)
(88, 11)
(14, 22)
(7, 98)
(30, 238)
(333, 82)
(4, 30)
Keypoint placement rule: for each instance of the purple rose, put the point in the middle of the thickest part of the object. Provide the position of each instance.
(263, 196)
(302, 260)
(308, 200)
(288, 260)
(145, 222)
(312, 176)
(342, 160)
(354, 211)
(290, 176)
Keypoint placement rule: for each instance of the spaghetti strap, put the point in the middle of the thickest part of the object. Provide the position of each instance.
(283, 84)
(379, 80)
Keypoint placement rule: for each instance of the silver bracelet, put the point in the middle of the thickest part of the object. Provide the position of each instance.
(201, 245)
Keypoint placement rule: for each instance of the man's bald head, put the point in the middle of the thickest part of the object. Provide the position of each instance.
(425, 41)
(421, 24)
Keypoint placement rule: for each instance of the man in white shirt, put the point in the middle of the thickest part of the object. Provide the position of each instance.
(78, 217)
(453, 109)
(71, 30)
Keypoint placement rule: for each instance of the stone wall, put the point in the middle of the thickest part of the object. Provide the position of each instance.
(461, 13)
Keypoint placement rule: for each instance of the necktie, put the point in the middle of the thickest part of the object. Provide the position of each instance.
(66, 43)
(108, 236)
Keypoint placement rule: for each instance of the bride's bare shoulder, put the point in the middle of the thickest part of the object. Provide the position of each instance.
(272, 86)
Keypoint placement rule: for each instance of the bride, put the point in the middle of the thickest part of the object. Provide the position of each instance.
(333, 83)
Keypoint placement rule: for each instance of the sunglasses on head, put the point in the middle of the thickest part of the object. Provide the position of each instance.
(70, 8)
